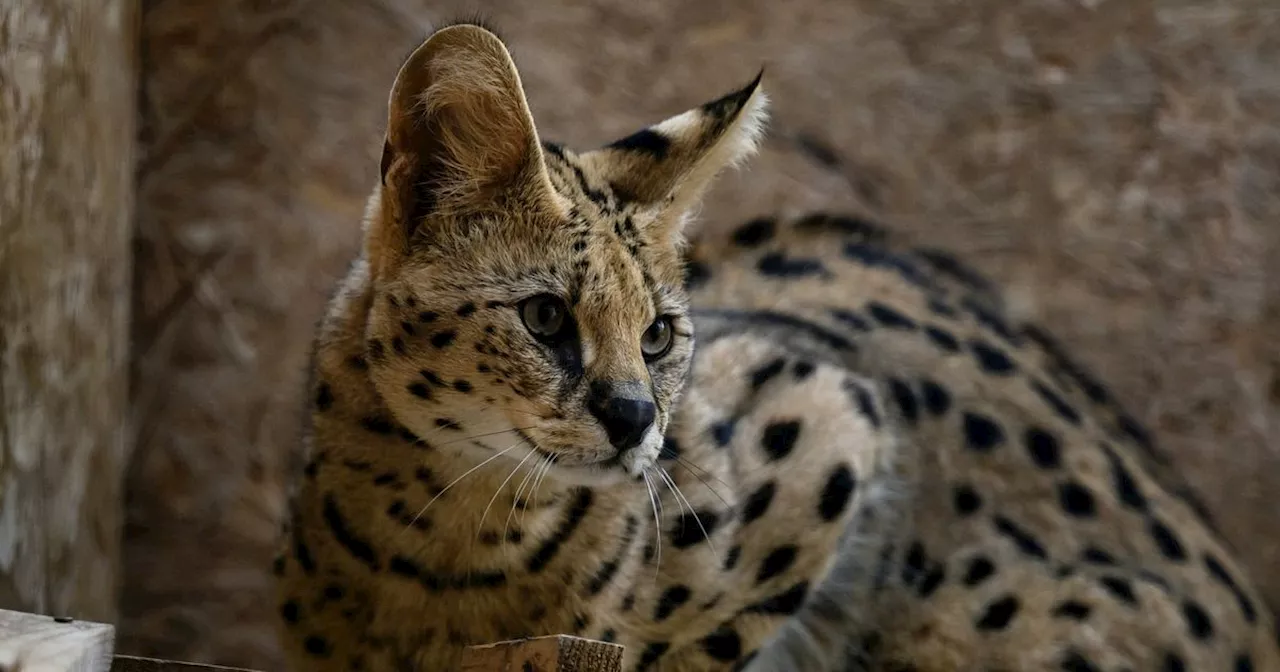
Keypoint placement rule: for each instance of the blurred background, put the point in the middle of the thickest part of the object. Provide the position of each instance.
(182, 183)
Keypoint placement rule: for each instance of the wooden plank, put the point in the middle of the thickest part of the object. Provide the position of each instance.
(558, 653)
(34, 643)
(136, 664)
(68, 74)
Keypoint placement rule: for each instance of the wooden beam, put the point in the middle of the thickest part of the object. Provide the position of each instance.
(559, 653)
(134, 664)
(33, 643)
(68, 71)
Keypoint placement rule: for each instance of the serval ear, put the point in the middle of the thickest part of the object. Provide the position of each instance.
(460, 136)
(671, 164)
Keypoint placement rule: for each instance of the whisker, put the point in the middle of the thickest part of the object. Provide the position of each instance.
(453, 483)
(486, 434)
(516, 498)
(675, 490)
(537, 485)
(693, 468)
(657, 522)
(707, 485)
(529, 454)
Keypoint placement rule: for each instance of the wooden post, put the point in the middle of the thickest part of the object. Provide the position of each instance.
(31, 643)
(34, 643)
(67, 117)
(560, 653)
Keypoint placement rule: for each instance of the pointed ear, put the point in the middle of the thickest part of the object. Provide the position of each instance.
(460, 136)
(671, 164)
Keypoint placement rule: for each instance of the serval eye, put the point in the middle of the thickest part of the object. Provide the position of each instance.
(657, 339)
(545, 316)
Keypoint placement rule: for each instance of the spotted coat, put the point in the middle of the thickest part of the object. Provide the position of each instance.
(863, 464)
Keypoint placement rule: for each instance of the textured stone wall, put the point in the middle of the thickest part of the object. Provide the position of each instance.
(68, 74)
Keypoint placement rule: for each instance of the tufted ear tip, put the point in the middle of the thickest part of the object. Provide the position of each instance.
(673, 162)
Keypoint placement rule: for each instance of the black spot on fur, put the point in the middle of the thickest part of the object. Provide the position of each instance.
(1219, 572)
(672, 598)
(1119, 588)
(687, 532)
(427, 316)
(1076, 500)
(785, 603)
(419, 390)
(874, 255)
(931, 582)
(980, 569)
(650, 655)
(778, 265)
(906, 400)
(1043, 448)
(1173, 663)
(1166, 541)
(942, 338)
(862, 397)
(766, 373)
(324, 397)
(290, 611)
(937, 401)
(851, 319)
(890, 317)
(839, 489)
(722, 432)
(1243, 663)
(1072, 609)
(731, 558)
(966, 500)
(758, 502)
(848, 225)
(1126, 487)
(1097, 556)
(802, 370)
(378, 425)
(777, 562)
(317, 646)
(1074, 661)
(1199, 624)
(914, 562)
(346, 537)
(1021, 538)
(770, 318)
(981, 433)
(1056, 403)
(997, 615)
(436, 583)
(466, 309)
(723, 644)
(991, 359)
(755, 232)
(696, 274)
(572, 519)
(779, 439)
(443, 339)
(610, 568)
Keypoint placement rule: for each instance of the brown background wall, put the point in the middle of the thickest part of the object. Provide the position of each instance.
(1117, 163)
